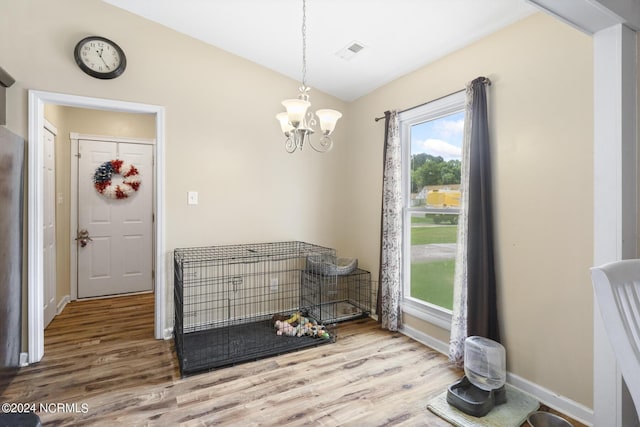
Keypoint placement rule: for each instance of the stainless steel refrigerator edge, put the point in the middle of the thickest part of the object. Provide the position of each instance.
(11, 202)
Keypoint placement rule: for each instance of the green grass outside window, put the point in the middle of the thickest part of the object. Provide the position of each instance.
(432, 281)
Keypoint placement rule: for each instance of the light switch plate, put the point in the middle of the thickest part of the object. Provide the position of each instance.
(192, 198)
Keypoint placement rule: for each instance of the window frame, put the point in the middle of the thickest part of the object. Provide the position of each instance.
(433, 110)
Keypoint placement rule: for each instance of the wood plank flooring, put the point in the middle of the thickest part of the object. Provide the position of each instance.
(101, 356)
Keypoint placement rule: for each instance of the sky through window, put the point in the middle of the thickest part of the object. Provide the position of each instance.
(439, 137)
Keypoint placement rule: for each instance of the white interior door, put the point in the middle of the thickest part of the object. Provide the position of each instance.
(118, 257)
(49, 226)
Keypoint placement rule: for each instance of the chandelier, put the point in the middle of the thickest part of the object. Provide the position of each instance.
(297, 123)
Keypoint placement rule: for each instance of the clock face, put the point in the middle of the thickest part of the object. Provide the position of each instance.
(100, 57)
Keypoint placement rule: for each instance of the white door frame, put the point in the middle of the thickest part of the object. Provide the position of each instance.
(75, 137)
(35, 274)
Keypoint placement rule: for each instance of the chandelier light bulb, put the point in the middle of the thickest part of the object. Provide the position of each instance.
(328, 119)
(286, 127)
(296, 110)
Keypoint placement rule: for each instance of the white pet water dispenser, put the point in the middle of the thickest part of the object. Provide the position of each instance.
(482, 387)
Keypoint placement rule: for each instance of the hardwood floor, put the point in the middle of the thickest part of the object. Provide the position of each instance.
(96, 347)
(101, 356)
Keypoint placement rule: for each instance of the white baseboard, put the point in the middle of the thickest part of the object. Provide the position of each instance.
(24, 359)
(560, 403)
(62, 304)
(425, 339)
(563, 404)
(168, 333)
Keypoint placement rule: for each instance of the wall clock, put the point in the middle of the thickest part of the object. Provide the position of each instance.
(100, 57)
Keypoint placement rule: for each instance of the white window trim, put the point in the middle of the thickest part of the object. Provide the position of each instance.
(441, 107)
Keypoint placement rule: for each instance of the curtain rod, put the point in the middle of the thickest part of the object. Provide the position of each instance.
(485, 81)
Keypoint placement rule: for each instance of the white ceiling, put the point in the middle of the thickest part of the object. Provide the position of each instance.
(399, 35)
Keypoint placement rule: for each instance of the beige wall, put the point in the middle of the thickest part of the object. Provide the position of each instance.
(222, 138)
(220, 121)
(222, 141)
(91, 122)
(541, 129)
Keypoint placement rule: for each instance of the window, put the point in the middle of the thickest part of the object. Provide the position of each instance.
(431, 137)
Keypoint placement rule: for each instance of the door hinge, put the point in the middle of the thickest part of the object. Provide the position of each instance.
(79, 155)
(153, 217)
(153, 275)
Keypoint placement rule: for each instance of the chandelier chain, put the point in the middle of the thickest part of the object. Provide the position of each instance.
(304, 43)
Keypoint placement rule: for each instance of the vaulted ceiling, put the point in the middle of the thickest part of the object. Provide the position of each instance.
(397, 36)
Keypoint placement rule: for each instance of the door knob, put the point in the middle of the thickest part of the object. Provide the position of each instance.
(83, 237)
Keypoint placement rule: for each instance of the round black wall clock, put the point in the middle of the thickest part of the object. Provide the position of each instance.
(100, 57)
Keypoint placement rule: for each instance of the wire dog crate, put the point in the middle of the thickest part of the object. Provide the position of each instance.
(346, 297)
(228, 298)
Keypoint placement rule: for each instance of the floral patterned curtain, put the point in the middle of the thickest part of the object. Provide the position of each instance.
(389, 286)
(459, 319)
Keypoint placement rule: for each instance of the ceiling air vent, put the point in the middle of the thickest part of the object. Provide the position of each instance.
(350, 50)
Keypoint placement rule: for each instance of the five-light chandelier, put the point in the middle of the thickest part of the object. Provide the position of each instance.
(297, 123)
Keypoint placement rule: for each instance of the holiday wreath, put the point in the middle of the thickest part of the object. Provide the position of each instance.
(102, 179)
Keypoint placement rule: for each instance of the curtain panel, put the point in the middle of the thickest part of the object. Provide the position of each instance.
(475, 309)
(459, 317)
(389, 284)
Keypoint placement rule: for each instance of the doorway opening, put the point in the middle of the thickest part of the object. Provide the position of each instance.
(35, 276)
